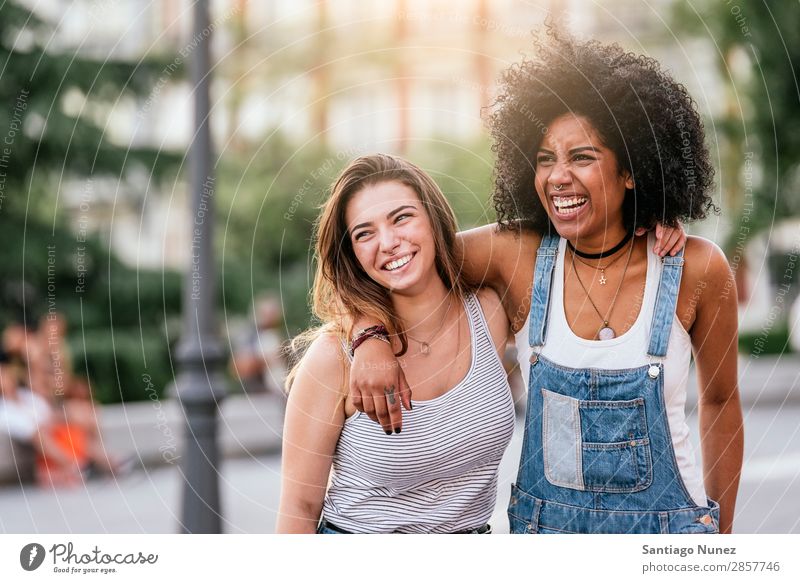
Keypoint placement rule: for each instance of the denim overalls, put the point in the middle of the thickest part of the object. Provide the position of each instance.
(597, 454)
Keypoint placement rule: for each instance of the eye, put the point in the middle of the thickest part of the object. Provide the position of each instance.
(544, 159)
(402, 216)
(583, 158)
(360, 235)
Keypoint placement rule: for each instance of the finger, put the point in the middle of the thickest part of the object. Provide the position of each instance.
(383, 414)
(640, 231)
(355, 395)
(671, 242)
(405, 390)
(681, 242)
(369, 408)
(394, 409)
(659, 234)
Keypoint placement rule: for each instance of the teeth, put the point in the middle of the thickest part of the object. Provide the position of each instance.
(397, 263)
(563, 203)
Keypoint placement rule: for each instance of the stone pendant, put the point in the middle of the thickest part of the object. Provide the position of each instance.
(424, 348)
(606, 333)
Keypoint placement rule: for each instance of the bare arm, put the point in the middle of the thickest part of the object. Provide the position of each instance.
(484, 254)
(715, 344)
(496, 319)
(490, 257)
(315, 415)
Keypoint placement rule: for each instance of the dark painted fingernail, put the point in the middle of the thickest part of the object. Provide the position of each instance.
(388, 432)
(397, 431)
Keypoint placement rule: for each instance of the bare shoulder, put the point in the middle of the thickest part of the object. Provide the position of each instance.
(492, 307)
(496, 317)
(705, 263)
(494, 256)
(503, 239)
(323, 366)
(488, 298)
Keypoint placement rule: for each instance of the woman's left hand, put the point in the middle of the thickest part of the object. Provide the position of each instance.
(668, 239)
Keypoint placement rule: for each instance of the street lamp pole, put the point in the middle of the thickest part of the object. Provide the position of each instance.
(201, 356)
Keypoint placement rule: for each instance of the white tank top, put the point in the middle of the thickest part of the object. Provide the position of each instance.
(629, 350)
(439, 474)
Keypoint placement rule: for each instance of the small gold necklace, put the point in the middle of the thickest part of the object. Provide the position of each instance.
(425, 346)
(605, 332)
(602, 268)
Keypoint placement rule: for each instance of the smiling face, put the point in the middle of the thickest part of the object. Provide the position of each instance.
(392, 237)
(580, 184)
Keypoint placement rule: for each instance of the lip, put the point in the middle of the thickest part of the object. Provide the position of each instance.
(400, 269)
(572, 216)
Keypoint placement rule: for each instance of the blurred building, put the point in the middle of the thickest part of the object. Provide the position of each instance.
(358, 76)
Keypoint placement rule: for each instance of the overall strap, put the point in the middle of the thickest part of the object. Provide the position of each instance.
(666, 300)
(540, 294)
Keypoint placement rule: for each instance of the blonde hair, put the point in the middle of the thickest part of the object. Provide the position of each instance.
(342, 290)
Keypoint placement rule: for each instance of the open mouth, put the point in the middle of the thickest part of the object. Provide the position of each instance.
(398, 263)
(568, 205)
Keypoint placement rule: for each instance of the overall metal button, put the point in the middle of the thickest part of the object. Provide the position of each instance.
(653, 371)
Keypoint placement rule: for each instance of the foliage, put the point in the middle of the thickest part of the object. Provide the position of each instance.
(124, 321)
(773, 341)
(767, 124)
(40, 137)
(268, 205)
(43, 142)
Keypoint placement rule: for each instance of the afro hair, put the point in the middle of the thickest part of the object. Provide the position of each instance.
(645, 117)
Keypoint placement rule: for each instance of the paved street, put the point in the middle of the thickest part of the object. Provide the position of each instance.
(148, 502)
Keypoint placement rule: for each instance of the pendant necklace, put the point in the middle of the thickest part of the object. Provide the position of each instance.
(606, 332)
(602, 254)
(602, 268)
(425, 347)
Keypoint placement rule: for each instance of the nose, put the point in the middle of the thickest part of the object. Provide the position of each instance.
(559, 174)
(389, 240)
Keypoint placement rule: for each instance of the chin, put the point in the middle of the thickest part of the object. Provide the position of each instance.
(566, 230)
(575, 231)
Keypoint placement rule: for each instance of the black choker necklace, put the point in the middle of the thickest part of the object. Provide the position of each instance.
(602, 254)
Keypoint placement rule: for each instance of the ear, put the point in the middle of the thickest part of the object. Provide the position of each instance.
(629, 183)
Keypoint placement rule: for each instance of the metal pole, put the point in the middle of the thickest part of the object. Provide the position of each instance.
(200, 354)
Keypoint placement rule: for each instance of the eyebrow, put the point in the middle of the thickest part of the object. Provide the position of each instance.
(574, 150)
(388, 216)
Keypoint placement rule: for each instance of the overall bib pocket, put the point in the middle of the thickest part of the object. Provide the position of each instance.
(596, 446)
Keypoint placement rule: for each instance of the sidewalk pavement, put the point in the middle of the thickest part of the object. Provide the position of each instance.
(148, 501)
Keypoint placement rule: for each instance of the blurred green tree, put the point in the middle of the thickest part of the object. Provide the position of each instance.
(40, 136)
(760, 124)
(45, 142)
(268, 205)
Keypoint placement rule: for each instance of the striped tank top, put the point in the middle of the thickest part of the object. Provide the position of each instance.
(440, 474)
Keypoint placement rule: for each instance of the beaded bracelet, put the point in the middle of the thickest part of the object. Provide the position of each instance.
(380, 332)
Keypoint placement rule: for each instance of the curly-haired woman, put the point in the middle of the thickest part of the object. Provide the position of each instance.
(593, 143)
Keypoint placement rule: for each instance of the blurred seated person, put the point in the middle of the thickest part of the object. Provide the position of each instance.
(260, 364)
(28, 420)
(70, 445)
(71, 396)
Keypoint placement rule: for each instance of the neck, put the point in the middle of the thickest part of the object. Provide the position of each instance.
(603, 241)
(422, 312)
